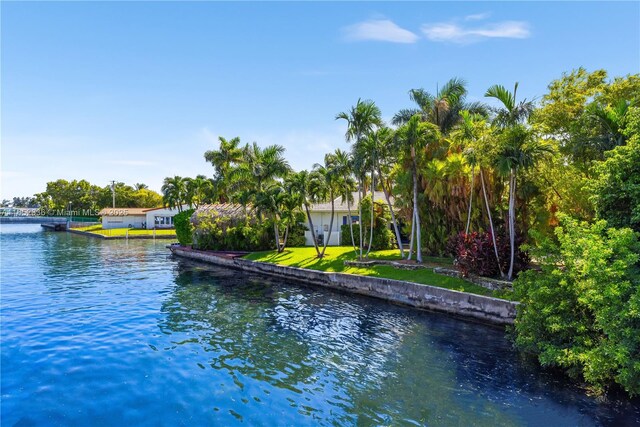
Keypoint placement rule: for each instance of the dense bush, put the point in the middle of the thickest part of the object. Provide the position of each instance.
(223, 233)
(184, 229)
(296, 235)
(383, 237)
(581, 312)
(616, 188)
(474, 254)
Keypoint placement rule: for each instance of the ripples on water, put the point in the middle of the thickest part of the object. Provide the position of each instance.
(114, 333)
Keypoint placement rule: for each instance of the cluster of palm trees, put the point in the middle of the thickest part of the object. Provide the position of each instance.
(431, 160)
(178, 191)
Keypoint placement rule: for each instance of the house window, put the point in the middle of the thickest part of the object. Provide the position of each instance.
(163, 221)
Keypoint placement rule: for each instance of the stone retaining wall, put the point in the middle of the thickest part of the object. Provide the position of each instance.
(486, 309)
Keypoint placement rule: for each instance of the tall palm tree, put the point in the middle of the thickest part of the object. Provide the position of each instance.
(331, 178)
(362, 119)
(412, 138)
(386, 157)
(259, 168)
(471, 131)
(197, 190)
(515, 151)
(223, 160)
(343, 167)
(306, 185)
(269, 203)
(174, 192)
(443, 108)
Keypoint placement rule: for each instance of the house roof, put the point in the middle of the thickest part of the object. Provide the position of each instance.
(164, 207)
(123, 212)
(341, 205)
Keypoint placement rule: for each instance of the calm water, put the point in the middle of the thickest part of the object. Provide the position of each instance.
(114, 333)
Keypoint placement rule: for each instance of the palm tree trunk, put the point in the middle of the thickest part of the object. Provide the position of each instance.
(493, 234)
(277, 232)
(313, 232)
(326, 242)
(512, 214)
(470, 200)
(393, 215)
(360, 217)
(373, 183)
(417, 213)
(413, 227)
(286, 236)
(353, 241)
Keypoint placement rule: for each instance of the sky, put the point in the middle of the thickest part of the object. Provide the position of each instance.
(138, 91)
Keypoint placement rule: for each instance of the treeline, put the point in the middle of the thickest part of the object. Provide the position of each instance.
(559, 177)
(83, 196)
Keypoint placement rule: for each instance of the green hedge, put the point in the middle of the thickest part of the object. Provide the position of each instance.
(184, 229)
(581, 312)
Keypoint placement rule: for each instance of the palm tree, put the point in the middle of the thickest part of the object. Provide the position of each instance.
(140, 186)
(443, 108)
(329, 174)
(518, 150)
(223, 160)
(306, 186)
(362, 119)
(471, 131)
(198, 189)
(269, 203)
(174, 192)
(343, 167)
(412, 138)
(386, 157)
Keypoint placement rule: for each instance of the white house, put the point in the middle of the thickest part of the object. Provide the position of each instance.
(321, 216)
(149, 218)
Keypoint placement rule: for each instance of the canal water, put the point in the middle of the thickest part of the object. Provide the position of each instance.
(121, 333)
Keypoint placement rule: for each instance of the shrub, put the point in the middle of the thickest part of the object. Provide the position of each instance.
(383, 237)
(234, 234)
(581, 312)
(474, 253)
(296, 235)
(184, 229)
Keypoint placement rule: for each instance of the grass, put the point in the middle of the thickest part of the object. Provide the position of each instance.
(117, 232)
(336, 255)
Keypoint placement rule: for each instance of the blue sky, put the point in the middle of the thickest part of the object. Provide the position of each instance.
(138, 91)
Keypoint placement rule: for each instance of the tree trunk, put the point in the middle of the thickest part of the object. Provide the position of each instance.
(353, 241)
(277, 232)
(493, 234)
(286, 236)
(393, 215)
(326, 242)
(512, 214)
(413, 227)
(313, 232)
(360, 218)
(417, 213)
(470, 201)
(373, 183)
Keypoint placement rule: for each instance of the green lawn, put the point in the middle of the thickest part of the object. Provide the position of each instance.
(336, 255)
(97, 229)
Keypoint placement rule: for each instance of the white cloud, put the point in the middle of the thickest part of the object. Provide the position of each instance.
(477, 16)
(379, 30)
(452, 32)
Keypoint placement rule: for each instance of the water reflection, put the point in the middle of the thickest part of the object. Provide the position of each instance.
(365, 362)
(119, 333)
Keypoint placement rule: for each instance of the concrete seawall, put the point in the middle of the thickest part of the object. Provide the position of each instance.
(482, 308)
(134, 237)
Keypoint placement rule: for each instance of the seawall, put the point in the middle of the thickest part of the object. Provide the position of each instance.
(485, 309)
